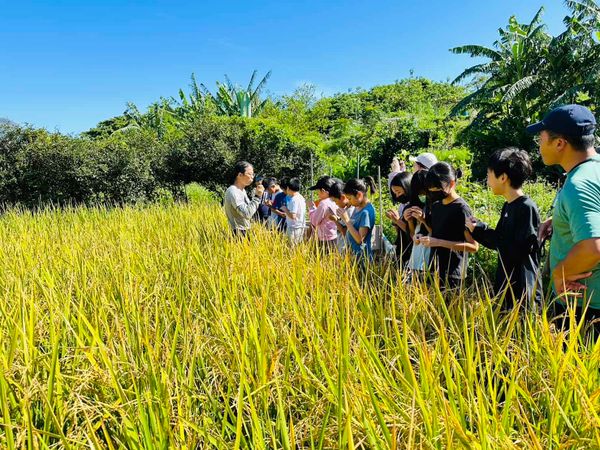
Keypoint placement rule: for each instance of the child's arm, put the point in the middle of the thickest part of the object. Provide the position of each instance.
(419, 215)
(358, 235)
(319, 215)
(469, 245)
(335, 219)
(482, 233)
(408, 218)
(288, 213)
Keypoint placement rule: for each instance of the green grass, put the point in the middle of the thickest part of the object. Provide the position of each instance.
(149, 328)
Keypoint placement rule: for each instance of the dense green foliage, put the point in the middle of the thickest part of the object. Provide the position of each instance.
(526, 72)
(198, 135)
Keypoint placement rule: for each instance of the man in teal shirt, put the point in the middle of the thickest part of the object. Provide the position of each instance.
(566, 138)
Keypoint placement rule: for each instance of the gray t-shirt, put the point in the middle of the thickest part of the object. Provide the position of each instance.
(239, 209)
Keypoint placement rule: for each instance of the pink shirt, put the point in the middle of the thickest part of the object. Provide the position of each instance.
(319, 218)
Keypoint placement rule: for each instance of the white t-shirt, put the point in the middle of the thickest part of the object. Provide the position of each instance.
(296, 204)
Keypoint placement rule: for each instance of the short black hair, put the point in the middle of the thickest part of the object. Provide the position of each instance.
(239, 167)
(325, 183)
(337, 190)
(269, 181)
(402, 180)
(284, 182)
(294, 184)
(579, 143)
(513, 162)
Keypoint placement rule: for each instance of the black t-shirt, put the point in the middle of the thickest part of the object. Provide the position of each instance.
(515, 239)
(448, 223)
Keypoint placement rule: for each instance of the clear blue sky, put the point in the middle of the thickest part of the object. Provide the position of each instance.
(68, 64)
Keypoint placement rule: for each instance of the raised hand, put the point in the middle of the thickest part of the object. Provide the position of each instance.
(341, 212)
(259, 190)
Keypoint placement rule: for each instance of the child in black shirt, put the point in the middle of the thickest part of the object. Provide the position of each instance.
(515, 236)
(449, 240)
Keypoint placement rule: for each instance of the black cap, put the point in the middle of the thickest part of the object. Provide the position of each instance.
(324, 183)
(570, 120)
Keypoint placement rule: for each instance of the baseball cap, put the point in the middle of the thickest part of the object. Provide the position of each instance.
(425, 159)
(570, 120)
(323, 183)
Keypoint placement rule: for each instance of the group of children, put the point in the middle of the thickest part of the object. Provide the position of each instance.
(436, 228)
(341, 218)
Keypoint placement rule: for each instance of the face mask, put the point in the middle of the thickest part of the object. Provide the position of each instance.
(437, 196)
(403, 198)
(422, 198)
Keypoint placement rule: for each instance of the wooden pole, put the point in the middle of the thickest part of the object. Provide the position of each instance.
(380, 207)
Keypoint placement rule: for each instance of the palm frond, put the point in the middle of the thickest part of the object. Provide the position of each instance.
(261, 85)
(484, 68)
(519, 87)
(252, 78)
(477, 51)
(536, 19)
(566, 96)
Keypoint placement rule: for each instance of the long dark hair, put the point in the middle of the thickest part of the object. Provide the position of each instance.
(403, 180)
(240, 167)
(418, 187)
(356, 185)
(440, 175)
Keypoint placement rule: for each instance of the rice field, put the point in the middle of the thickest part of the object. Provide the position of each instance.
(148, 328)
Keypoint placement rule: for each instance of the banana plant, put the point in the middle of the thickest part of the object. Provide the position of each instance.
(196, 103)
(232, 100)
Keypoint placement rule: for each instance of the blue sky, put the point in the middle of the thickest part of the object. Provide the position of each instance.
(66, 65)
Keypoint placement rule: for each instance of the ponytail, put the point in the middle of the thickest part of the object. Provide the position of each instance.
(370, 181)
(356, 185)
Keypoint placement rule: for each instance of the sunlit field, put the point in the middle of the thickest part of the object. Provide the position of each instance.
(148, 327)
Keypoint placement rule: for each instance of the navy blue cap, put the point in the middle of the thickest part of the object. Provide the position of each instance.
(570, 120)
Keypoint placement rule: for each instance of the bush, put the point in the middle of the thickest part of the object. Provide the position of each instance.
(37, 167)
(210, 146)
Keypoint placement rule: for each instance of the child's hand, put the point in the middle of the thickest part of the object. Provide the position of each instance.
(408, 214)
(393, 215)
(418, 214)
(545, 230)
(269, 202)
(471, 223)
(343, 214)
(260, 190)
(428, 241)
